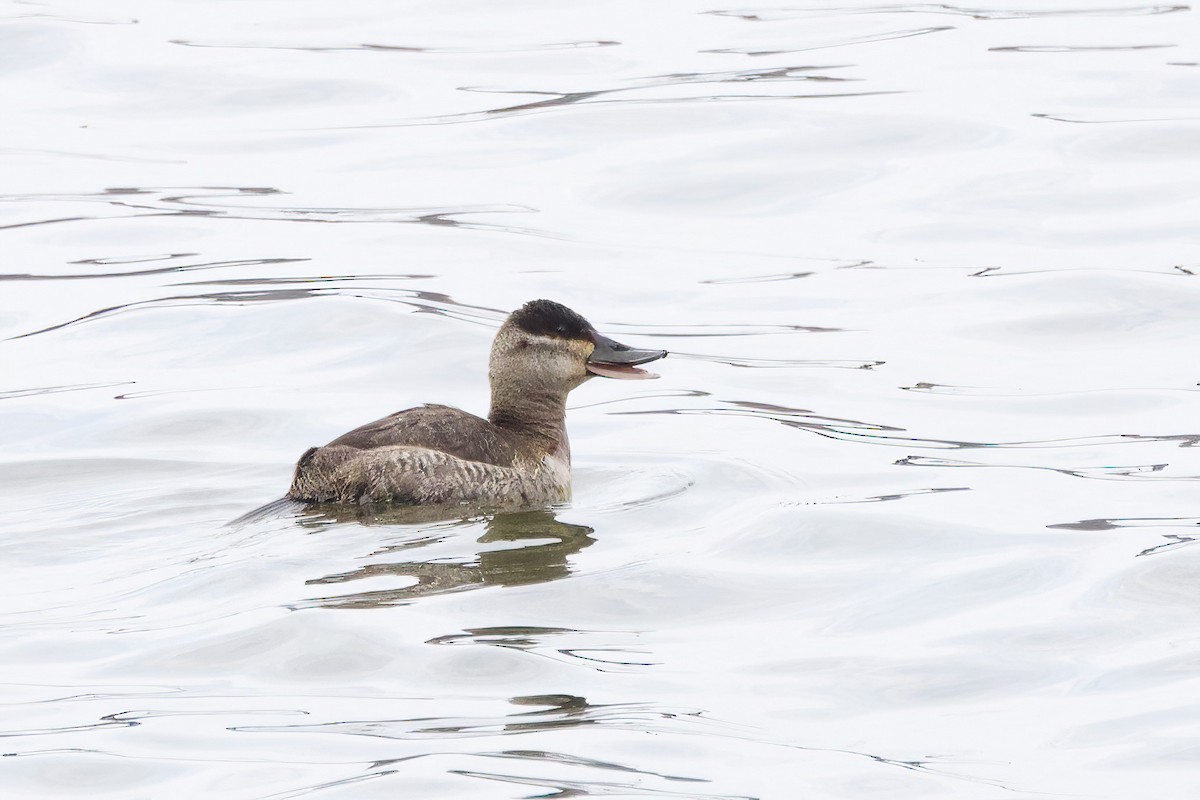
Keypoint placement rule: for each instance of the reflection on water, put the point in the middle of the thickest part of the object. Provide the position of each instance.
(1174, 541)
(531, 560)
(603, 651)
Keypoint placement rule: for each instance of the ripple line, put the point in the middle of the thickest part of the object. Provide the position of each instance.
(785, 276)
(588, 98)
(1057, 118)
(564, 758)
(855, 430)
(561, 712)
(1176, 270)
(882, 498)
(565, 788)
(1174, 540)
(1143, 472)
(560, 99)
(396, 48)
(781, 14)
(780, 363)
(554, 712)
(105, 722)
(78, 387)
(881, 37)
(248, 262)
(735, 329)
(988, 391)
(1112, 523)
(199, 202)
(292, 793)
(422, 301)
(564, 645)
(1076, 48)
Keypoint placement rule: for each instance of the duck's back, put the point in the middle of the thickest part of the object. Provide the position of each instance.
(436, 427)
(432, 454)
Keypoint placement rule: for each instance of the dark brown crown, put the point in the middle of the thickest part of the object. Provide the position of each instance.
(547, 318)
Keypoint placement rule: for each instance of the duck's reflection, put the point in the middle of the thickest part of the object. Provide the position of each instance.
(532, 560)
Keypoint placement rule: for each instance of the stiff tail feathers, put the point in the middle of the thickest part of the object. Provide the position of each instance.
(284, 506)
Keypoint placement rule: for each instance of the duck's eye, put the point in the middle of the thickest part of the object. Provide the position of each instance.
(523, 344)
(561, 329)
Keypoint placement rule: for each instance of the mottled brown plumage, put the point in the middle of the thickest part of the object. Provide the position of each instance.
(437, 427)
(518, 457)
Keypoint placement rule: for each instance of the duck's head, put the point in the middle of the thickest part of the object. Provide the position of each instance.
(546, 346)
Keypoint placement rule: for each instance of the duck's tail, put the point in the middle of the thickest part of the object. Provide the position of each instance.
(276, 508)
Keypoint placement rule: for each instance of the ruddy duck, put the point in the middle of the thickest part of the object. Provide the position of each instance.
(518, 457)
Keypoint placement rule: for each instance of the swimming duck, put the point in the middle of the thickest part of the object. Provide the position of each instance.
(518, 457)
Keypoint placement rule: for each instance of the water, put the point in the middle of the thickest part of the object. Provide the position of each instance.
(909, 514)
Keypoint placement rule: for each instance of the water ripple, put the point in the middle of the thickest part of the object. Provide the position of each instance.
(780, 14)
(780, 363)
(105, 722)
(61, 18)
(397, 48)
(246, 262)
(200, 201)
(13, 393)
(880, 498)
(785, 276)
(1145, 472)
(313, 789)
(561, 712)
(591, 787)
(1110, 121)
(38, 151)
(567, 788)
(1174, 541)
(703, 331)
(1112, 523)
(855, 430)
(559, 100)
(559, 644)
(878, 37)
(423, 301)
(305, 279)
(552, 712)
(619, 95)
(987, 391)
(1077, 48)
(1175, 270)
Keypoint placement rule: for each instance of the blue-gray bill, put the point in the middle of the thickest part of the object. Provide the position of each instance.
(611, 359)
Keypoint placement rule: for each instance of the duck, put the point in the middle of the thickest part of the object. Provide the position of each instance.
(518, 457)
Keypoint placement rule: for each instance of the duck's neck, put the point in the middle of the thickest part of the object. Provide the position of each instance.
(540, 416)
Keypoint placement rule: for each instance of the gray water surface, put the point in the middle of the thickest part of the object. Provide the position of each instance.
(909, 514)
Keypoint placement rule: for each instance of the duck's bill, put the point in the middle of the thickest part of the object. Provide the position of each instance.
(612, 359)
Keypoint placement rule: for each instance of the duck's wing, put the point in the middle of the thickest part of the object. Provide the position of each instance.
(434, 427)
